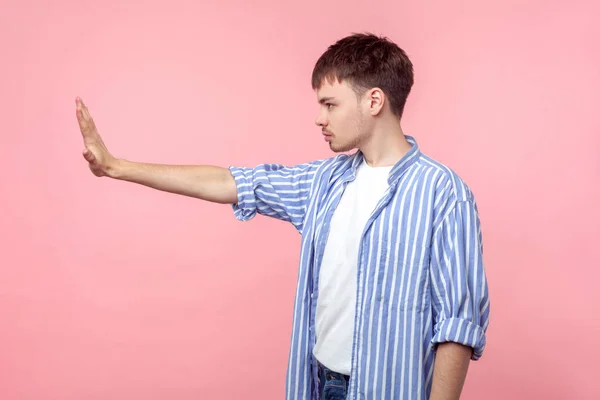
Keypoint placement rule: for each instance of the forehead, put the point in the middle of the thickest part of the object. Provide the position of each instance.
(335, 89)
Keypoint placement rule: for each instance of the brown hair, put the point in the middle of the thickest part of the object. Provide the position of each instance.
(367, 61)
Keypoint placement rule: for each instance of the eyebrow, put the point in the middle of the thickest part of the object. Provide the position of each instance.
(323, 100)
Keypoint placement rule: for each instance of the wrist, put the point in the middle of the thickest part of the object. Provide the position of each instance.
(115, 168)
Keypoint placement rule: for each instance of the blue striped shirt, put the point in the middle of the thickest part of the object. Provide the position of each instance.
(421, 279)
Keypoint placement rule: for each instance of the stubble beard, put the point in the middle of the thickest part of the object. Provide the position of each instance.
(357, 138)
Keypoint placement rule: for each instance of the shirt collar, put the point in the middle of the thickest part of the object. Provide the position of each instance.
(400, 167)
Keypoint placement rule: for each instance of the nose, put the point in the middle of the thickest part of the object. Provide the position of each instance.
(320, 121)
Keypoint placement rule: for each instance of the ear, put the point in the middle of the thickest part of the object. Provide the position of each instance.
(376, 100)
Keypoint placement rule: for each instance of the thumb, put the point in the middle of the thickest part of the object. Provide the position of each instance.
(88, 155)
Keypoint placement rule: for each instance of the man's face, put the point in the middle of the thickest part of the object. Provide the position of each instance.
(341, 116)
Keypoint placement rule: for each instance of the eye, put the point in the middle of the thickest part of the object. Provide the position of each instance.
(329, 105)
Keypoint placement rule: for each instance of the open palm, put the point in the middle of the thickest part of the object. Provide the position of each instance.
(95, 152)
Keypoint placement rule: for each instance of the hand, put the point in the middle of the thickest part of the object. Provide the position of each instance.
(95, 153)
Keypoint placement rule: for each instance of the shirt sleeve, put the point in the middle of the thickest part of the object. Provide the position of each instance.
(274, 190)
(460, 299)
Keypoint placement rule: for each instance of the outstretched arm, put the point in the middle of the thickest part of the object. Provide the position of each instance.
(206, 182)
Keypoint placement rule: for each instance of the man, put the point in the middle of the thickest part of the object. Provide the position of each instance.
(392, 299)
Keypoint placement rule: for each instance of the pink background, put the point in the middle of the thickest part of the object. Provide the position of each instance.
(113, 291)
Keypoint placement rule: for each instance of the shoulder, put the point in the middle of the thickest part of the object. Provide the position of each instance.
(308, 166)
(447, 181)
(331, 164)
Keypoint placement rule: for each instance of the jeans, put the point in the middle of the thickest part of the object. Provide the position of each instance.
(332, 385)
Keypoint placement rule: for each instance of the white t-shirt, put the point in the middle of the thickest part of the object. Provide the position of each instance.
(338, 275)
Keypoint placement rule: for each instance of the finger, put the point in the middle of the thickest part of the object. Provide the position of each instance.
(86, 112)
(80, 105)
(80, 117)
(83, 125)
(89, 156)
(87, 116)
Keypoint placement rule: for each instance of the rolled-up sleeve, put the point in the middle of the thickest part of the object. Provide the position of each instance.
(274, 190)
(460, 298)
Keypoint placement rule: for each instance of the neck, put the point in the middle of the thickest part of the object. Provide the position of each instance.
(386, 145)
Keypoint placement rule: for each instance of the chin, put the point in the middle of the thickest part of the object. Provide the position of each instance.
(337, 148)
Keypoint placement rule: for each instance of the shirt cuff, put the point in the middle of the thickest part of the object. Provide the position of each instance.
(462, 331)
(245, 208)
